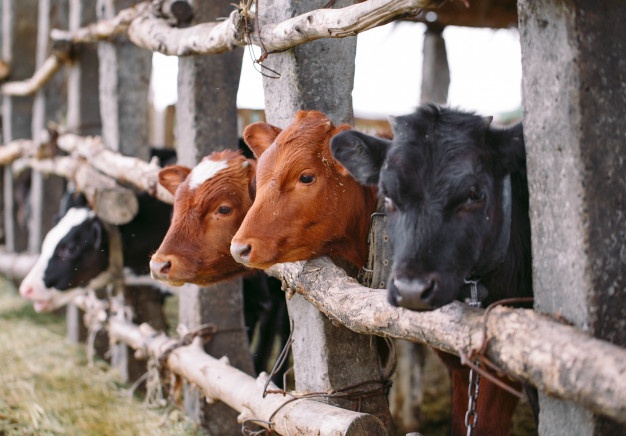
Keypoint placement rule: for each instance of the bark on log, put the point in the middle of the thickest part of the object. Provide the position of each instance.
(154, 33)
(16, 149)
(218, 380)
(16, 266)
(125, 169)
(558, 359)
(112, 202)
(102, 29)
(39, 79)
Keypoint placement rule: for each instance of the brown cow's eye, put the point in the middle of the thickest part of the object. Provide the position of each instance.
(390, 206)
(307, 179)
(224, 210)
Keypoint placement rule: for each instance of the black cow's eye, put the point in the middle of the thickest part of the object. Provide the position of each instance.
(307, 179)
(224, 210)
(390, 206)
(475, 194)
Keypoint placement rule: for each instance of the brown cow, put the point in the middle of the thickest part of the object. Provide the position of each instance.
(307, 204)
(210, 202)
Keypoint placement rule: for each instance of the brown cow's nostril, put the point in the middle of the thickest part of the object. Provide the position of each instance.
(160, 269)
(240, 252)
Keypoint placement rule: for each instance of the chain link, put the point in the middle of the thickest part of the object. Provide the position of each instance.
(471, 416)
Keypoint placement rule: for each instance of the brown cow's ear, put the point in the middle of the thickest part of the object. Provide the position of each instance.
(259, 136)
(171, 177)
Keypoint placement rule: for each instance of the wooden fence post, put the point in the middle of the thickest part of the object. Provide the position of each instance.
(83, 118)
(18, 50)
(124, 85)
(50, 105)
(573, 60)
(206, 120)
(320, 75)
(435, 69)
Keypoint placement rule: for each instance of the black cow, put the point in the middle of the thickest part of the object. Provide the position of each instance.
(456, 199)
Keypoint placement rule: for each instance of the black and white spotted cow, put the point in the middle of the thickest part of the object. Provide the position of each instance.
(76, 253)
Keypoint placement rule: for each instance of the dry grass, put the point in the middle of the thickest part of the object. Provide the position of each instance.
(47, 388)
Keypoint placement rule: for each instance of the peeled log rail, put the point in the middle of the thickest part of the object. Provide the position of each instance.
(125, 169)
(558, 359)
(15, 266)
(112, 202)
(218, 380)
(154, 33)
(39, 79)
(103, 164)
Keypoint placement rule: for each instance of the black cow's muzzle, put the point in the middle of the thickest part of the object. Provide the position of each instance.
(411, 293)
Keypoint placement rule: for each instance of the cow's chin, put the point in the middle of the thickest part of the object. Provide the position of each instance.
(56, 300)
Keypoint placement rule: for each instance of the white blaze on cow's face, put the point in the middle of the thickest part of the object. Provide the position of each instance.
(204, 171)
(32, 287)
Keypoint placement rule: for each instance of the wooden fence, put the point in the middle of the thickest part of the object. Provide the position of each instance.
(88, 73)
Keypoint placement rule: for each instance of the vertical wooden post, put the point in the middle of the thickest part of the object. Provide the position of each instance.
(435, 69)
(573, 60)
(18, 50)
(206, 120)
(124, 87)
(83, 115)
(320, 75)
(49, 105)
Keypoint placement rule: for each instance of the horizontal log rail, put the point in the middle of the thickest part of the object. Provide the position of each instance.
(148, 29)
(219, 381)
(558, 359)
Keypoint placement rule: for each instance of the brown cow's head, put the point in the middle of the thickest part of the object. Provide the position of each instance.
(210, 202)
(307, 204)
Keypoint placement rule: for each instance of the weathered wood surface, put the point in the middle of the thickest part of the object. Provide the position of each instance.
(154, 33)
(15, 266)
(88, 157)
(125, 169)
(219, 381)
(111, 201)
(558, 359)
(43, 74)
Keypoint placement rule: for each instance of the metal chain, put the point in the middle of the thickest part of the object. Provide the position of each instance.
(471, 416)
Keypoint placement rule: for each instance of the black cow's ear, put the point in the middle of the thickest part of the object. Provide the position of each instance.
(508, 147)
(362, 155)
(97, 233)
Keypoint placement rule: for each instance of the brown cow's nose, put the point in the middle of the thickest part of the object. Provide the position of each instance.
(160, 270)
(240, 252)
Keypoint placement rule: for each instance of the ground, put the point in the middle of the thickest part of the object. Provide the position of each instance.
(47, 388)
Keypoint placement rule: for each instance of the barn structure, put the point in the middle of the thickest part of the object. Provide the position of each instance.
(85, 66)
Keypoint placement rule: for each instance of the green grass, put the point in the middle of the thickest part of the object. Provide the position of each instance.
(47, 387)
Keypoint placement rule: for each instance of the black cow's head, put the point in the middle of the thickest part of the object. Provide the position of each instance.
(443, 178)
(74, 254)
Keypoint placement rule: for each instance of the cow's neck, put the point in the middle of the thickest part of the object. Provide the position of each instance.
(512, 277)
(351, 246)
